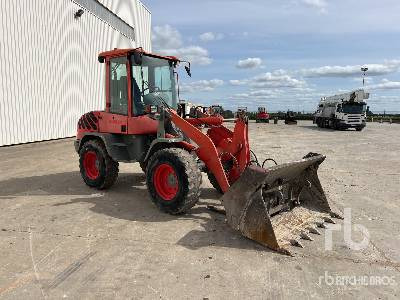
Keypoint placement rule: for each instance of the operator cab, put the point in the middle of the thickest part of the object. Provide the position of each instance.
(153, 80)
(137, 82)
(352, 108)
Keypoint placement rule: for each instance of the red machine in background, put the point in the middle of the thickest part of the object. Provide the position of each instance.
(262, 115)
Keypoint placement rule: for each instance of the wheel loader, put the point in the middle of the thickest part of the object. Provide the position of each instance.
(262, 115)
(276, 207)
(290, 118)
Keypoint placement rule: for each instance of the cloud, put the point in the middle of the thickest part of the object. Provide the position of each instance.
(194, 54)
(249, 63)
(385, 85)
(271, 80)
(276, 80)
(390, 66)
(210, 36)
(166, 37)
(320, 5)
(258, 94)
(201, 86)
(168, 41)
(368, 80)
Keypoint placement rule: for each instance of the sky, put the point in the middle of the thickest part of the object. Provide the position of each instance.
(283, 54)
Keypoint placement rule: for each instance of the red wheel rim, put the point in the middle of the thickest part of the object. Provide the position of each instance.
(90, 163)
(165, 181)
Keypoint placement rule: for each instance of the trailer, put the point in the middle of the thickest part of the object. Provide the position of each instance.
(342, 111)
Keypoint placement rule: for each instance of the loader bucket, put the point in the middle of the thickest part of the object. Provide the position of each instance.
(279, 206)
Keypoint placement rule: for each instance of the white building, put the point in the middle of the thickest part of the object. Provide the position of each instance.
(49, 72)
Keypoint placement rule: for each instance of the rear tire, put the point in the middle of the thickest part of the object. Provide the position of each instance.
(97, 168)
(173, 180)
(336, 125)
(359, 128)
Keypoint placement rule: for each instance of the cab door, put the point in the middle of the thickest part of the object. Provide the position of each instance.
(115, 118)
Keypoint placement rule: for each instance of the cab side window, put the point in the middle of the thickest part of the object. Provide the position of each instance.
(140, 79)
(118, 87)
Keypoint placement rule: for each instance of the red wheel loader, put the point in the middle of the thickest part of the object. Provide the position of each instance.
(275, 206)
(262, 115)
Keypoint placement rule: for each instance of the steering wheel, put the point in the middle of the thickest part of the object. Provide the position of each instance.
(154, 88)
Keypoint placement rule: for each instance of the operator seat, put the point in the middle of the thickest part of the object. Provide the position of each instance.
(137, 99)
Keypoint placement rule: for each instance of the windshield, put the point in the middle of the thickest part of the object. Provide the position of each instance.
(154, 79)
(354, 108)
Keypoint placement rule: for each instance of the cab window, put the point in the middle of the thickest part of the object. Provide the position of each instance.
(140, 75)
(118, 87)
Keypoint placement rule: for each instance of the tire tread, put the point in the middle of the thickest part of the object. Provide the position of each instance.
(192, 173)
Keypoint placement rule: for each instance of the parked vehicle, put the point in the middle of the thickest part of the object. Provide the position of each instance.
(343, 111)
(290, 118)
(262, 115)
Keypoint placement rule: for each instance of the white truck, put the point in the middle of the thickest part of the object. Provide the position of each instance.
(342, 111)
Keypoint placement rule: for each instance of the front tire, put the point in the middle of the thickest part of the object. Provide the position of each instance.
(214, 182)
(173, 180)
(97, 168)
(143, 166)
(227, 167)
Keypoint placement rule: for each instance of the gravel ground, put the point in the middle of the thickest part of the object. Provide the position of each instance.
(61, 239)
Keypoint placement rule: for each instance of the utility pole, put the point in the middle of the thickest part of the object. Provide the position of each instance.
(364, 70)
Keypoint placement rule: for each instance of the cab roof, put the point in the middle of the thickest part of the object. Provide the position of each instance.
(125, 52)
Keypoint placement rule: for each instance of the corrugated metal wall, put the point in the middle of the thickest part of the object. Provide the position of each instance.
(135, 13)
(49, 73)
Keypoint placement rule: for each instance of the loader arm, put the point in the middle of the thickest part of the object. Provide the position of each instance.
(206, 150)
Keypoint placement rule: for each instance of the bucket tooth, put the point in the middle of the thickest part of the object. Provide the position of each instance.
(305, 236)
(276, 207)
(329, 220)
(284, 251)
(336, 215)
(321, 225)
(296, 243)
(313, 230)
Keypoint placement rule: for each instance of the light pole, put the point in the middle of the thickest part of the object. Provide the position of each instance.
(364, 70)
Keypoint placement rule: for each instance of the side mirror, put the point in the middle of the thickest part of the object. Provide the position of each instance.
(137, 58)
(187, 68)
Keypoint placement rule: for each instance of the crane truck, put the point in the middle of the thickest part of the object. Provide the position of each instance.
(342, 111)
